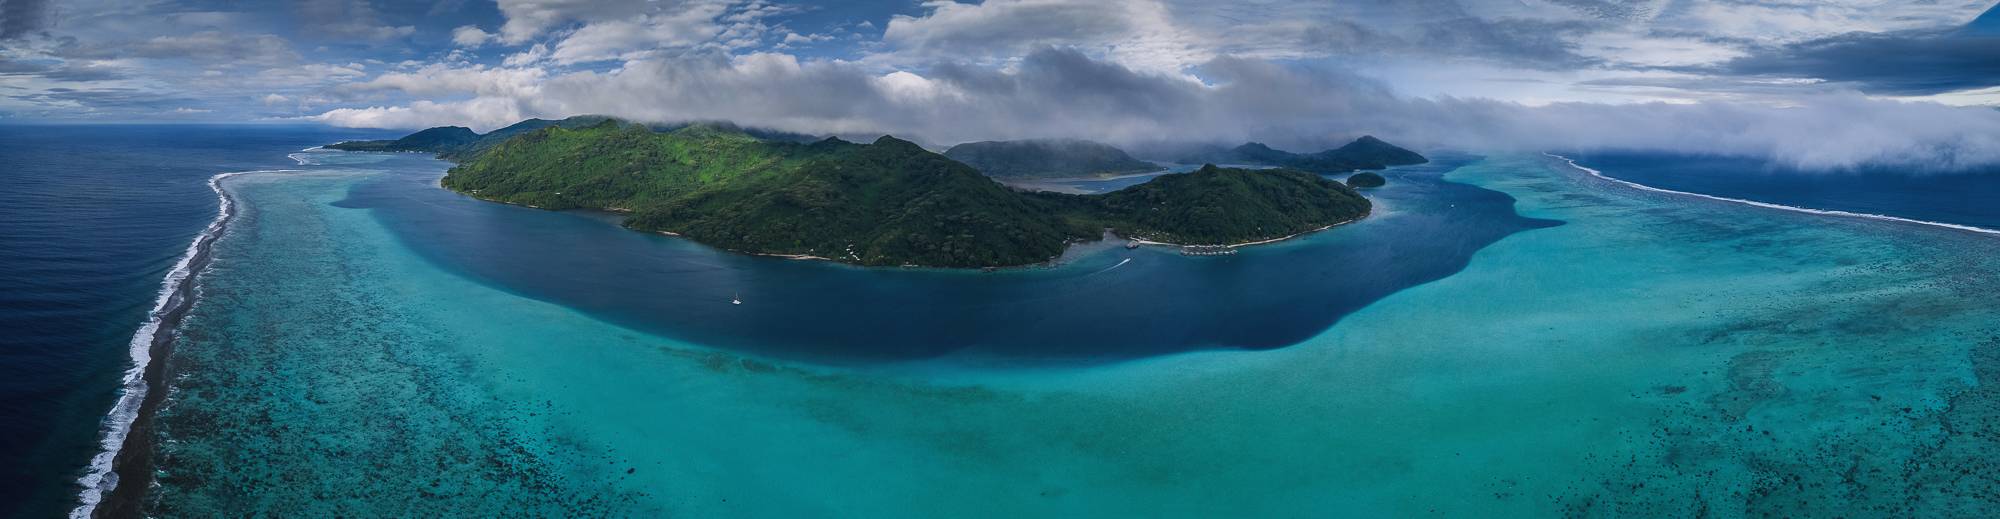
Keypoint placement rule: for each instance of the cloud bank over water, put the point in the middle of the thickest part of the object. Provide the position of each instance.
(1061, 92)
(1816, 84)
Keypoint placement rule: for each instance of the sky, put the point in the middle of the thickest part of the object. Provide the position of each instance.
(1831, 83)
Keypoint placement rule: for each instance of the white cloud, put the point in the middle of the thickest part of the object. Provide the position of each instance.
(307, 75)
(617, 39)
(528, 57)
(470, 36)
(527, 19)
(617, 30)
(442, 80)
(793, 38)
(485, 114)
(1136, 32)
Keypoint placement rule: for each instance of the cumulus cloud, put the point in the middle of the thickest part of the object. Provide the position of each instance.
(1063, 93)
(470, 36)
(444, 80)
(484, 113)
(614, 39)
(613, 30)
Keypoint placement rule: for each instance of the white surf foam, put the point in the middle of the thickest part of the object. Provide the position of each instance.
(1781, 207)
(98, 478)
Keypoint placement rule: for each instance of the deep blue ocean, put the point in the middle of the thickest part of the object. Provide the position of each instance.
(1961, 198)
(91, 218)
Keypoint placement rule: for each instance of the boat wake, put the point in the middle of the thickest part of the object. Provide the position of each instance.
(1782, 207)
(176, 294)
(1121, 263)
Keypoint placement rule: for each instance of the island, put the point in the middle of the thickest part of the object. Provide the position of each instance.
(1364, 153)
(1048, 158)
(1366, 179)
(433, 140)
(885, 203)
(458, 142)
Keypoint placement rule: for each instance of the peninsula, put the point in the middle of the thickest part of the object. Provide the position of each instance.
(885, 203)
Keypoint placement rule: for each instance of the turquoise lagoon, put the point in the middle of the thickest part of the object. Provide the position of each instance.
(1653, 354)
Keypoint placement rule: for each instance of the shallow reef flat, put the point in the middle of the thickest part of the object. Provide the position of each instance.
(1654, 355)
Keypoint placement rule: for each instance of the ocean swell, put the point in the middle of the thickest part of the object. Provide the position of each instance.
(1768, 205)
(152, 337)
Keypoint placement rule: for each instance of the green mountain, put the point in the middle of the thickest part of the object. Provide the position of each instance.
(889, 202)
(434, 140)
(495, 137)
(455, 142)
(1366, 152)
(1047, 158)
(1215, 206)
(886, 203)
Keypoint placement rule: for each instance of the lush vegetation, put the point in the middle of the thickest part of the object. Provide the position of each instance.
(1366, 179)
(458, 142)
(1218, 206)
(1047, 159)
(1366, 152)
(886, 203)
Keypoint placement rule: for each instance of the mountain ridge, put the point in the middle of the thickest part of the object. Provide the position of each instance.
(1364, 153)
(1047, 158)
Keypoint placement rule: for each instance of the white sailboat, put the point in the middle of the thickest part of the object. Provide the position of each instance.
(737, 299)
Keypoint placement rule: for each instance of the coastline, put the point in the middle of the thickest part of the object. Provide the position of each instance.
(1371, 211)
(1055, 184)
(1767, 205)
(118, 475)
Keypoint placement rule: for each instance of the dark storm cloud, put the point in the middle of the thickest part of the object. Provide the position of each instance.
(22, 17)
(1901, 63)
